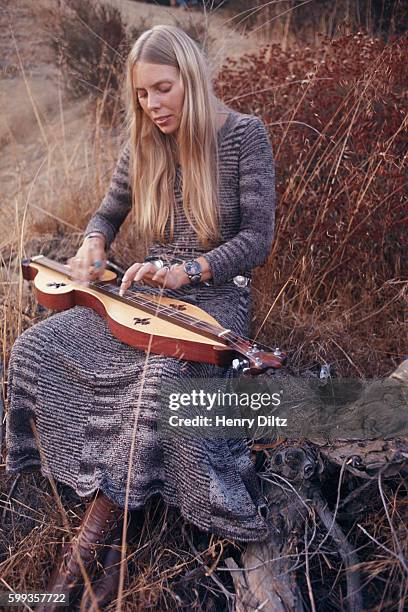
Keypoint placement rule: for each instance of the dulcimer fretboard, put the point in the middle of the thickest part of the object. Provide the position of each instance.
(214, 332)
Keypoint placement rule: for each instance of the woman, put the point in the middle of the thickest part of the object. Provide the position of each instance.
(199, 180)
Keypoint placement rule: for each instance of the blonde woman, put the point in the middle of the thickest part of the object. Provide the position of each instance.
(198, 180)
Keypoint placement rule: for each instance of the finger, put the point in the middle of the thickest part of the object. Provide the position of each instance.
(72, 263)
(131, 272)
(92, 254)
(125, 284)
(147, 281)
(161, 275)
(145, 269)
(76, 269)
(83, 267)
(82, 260)
(128, 278)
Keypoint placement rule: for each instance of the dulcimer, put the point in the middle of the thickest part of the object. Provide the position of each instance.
(153, 323)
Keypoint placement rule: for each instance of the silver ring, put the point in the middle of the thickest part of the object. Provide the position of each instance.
(157, 262)
(241, 281)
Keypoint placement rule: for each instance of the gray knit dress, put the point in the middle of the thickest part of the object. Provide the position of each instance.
(81, 385)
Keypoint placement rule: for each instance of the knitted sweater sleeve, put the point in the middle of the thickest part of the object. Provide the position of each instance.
(116, 204)
(251, 245)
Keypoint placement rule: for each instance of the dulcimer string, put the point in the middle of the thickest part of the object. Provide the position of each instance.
(181, 317)
(215, 332)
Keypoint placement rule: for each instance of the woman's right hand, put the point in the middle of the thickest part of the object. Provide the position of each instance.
(89, 263)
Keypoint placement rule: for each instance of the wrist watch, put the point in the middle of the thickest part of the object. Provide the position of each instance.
(193, 270)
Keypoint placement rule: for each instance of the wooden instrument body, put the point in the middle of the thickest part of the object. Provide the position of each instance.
(133, 326)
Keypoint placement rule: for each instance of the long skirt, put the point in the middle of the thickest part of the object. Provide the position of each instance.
(82, 388)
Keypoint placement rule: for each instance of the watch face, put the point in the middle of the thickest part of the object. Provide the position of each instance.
(192, 268)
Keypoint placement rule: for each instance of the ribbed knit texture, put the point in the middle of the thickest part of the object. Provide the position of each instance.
(80, 384)
(247, 201)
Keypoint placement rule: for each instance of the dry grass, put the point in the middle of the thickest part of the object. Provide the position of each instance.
(161, 560)
(57, 162)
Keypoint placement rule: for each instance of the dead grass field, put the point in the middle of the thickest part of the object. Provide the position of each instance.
(57, 158)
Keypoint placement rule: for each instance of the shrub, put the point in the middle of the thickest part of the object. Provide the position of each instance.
(302, 19)
(91, 43)
(337, 119)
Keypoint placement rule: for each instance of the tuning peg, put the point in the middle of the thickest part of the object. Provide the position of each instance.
(252, 349)
(240, 365)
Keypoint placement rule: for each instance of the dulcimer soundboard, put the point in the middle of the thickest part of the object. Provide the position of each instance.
(153, 323)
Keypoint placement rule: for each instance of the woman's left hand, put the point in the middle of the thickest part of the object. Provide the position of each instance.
(165, 278)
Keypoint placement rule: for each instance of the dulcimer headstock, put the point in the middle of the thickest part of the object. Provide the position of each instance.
(253, 360)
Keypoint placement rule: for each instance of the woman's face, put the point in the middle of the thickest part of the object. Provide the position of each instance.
(160, 92)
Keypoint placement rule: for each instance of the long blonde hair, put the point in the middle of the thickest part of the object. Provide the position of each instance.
(152, 165)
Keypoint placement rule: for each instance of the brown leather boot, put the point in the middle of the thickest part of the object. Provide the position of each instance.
(105, 587)
(100, 519)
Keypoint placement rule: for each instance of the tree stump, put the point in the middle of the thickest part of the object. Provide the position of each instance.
(364, 440)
